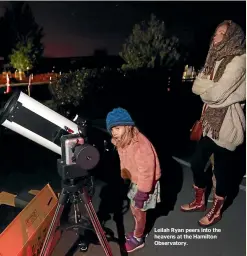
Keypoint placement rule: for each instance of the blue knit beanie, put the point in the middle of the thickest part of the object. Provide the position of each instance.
(118, 116)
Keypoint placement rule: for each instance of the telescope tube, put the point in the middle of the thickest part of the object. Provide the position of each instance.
(31, 119)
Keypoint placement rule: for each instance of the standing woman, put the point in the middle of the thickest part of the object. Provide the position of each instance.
(222, 88)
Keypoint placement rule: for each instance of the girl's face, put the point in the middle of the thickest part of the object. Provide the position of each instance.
(219, 34)
(118, 132)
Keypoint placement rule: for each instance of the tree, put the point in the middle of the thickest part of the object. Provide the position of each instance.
(18, 25)
(70, 88)
(149, 46)
(23, 57)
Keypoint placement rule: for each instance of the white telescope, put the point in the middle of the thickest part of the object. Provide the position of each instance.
(31, 119)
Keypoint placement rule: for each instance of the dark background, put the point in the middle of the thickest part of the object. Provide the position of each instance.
(80, 28)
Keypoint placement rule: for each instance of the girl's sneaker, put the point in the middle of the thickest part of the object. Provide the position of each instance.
(130, 234)
(133, 244)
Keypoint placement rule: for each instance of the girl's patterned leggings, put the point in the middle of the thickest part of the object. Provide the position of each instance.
(140, 221)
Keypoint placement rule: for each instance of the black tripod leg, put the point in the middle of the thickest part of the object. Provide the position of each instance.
(83, 244)
(96, 224)
(51, 231)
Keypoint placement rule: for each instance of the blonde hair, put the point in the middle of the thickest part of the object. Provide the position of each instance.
(130, 135)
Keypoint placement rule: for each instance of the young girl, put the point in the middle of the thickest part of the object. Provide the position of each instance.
(139, 163)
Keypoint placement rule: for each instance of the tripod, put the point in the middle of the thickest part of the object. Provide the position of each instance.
(74, 191)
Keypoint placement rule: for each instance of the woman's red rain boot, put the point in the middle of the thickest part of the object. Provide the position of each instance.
(199, 202)
(214, 214)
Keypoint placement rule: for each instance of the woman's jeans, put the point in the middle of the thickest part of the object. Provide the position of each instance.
(223, 160)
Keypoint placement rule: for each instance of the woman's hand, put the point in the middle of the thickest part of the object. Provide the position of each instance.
(202, 76)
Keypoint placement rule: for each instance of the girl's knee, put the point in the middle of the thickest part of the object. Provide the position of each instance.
(139, 214)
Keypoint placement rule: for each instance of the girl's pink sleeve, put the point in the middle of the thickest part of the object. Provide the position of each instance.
(145, 160)
(120, 159)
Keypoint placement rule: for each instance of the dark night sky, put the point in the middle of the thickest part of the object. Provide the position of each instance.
(78, 28)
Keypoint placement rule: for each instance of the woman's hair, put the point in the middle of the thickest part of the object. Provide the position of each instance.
(130, 135)
(225, 22)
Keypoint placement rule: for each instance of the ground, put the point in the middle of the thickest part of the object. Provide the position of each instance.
(229, 233)
(35, 166)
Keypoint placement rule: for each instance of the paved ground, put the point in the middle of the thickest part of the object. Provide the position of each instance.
(24, 171)
(229, 234)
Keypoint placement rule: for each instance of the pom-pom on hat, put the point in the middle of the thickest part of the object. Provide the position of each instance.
(118, 116)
